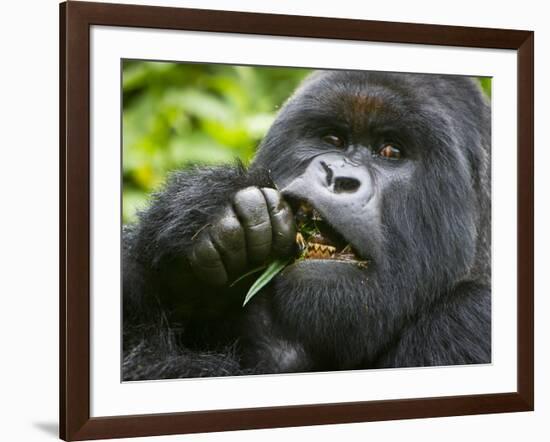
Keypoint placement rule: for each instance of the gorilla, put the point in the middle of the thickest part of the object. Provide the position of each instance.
(392, 170)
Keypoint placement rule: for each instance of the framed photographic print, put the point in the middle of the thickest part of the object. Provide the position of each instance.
(273, 220)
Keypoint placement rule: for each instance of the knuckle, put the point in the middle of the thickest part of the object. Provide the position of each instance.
(205, 253)
(272, 196)
(279, 209)
(230, 225)
(249, 203)
(247, 194)
(273, 199)
(228, 231)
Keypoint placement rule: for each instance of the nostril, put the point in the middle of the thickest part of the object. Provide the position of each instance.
(346, 185)
(328, 171)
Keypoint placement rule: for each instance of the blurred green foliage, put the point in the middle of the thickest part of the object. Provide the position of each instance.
(175, 115)
(485, 83)
(179, 114)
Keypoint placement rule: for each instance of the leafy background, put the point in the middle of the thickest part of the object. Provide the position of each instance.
(176, 115)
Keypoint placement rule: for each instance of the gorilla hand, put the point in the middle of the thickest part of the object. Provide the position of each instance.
(257, 225)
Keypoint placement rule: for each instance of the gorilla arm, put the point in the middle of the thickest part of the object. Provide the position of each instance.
(206, 228)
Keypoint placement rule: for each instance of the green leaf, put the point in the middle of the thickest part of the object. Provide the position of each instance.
(269, 273)
(240, 278)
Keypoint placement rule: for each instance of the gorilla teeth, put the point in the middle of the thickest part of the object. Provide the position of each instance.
(314, 250)
(319, 251)
(301, 241)
(315, 239)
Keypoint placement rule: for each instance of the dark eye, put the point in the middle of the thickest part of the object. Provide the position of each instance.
(390, 151)
(334, 140)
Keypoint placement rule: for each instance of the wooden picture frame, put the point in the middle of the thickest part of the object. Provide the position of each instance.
(75, 21)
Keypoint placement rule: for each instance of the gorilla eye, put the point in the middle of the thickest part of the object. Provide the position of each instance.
(390, 151)
(334, 140)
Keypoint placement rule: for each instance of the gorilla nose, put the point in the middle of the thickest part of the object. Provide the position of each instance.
(339, 184)
(341, 175)
(346, 185)
(335, 179)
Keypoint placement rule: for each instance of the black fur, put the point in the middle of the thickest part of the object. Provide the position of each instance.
(425, 297)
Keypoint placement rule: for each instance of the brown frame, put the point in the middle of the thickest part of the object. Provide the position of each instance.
(75, 21)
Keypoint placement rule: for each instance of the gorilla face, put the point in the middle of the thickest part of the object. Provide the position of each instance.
(393, 167)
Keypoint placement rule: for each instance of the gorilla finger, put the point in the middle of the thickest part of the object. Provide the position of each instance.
(251, 208)
(206, 262)
(282, 222)
(229, 239)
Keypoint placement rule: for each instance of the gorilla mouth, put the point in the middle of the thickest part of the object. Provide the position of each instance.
(317, 239)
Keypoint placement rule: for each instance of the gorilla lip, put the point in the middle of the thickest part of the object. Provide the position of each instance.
(316, 239)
